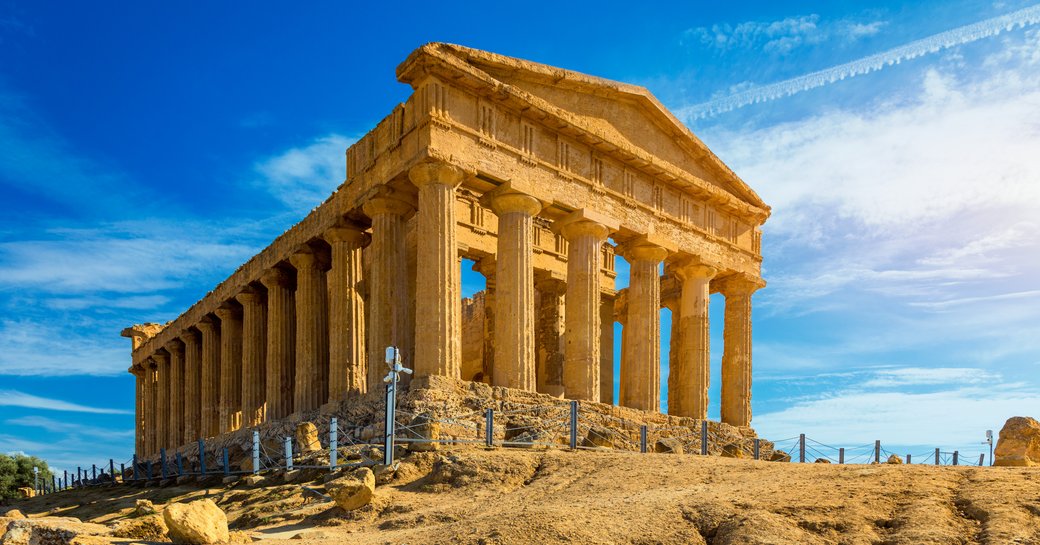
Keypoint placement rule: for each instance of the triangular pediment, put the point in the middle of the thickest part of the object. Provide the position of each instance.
(627, 115)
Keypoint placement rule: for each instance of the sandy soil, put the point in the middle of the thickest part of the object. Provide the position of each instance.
(516, 496)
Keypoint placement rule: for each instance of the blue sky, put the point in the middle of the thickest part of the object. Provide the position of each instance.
(147, 149)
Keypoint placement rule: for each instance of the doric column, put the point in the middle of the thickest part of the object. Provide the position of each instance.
(437, 348)
(581, 353)
(606, 343)
(192, 386)
(230, 368)
(622, 318)
(151, 423)
(210, 415)
(139, 408)
(641, 369)
(162, 403)
(254, 364)
(486, 266)
(690, 375)
(175, 422)
(312, 332)
(514, 276)
(388, 288)
(348, 372)
(281, 342)
(736, 349)
(549, 341)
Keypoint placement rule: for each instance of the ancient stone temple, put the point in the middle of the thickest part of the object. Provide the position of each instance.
(540, 176)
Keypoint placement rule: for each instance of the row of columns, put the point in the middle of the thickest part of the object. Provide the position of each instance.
(273, 352)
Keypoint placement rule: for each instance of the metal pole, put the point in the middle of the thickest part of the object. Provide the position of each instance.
(489, 428)
(36, 479)
(54, 482)
(758, 448)
(955, 455)
(333, 443)
(389, 420)
(180, 465)
(149, 470)
(908, 458)
(227, 466)
(112, 470)
(982, 458)
(801, 448)
(162, 462)
(574, 425)
(288, 453)
(877, 451)
(642, 439)
(936, 456)
(122, 472)
(841, 455)
(256, 452)
(704, 437)
(79, 476)
(93, 472)
(66, 478)
(202, 457)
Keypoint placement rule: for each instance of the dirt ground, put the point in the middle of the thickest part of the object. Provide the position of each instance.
(539, 497)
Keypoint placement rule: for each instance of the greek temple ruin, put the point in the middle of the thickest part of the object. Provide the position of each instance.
(539, 176)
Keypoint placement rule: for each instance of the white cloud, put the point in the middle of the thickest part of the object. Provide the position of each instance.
(923, 376)
(780, 36)
(14, 398)
(75, 429)
(303, 177)
(32, 348)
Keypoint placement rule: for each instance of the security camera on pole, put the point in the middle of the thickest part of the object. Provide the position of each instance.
(393, 361)
(989, 439)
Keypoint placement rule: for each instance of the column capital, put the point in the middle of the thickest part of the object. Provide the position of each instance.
(227, 312)
(161, 358)
(382, 204)
(736, 285)
(505, 200)
(436, 173)
(641, 250)
(305, 259)
(585, 227)
(207, 324)
(188, 336)
(174, 347)
(585, 221)
(348, 234)
(695, 270)
(272, 278)
(249, 296)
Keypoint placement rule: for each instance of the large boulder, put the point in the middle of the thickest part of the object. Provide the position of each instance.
(306, 438)
(196, 523)
(426, 430)
(668, 445)
(894, 459)
(353, 490)
(733, 450)
(143, 507)
(1018, 443)
(146, 528)
(598, 437)
(12, 514)
(778, 456)
(50, 531)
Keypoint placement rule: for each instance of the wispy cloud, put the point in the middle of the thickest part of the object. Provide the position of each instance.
(72, 428)
(14, 398)
(779, 36)
(866, 65)
(303, 177)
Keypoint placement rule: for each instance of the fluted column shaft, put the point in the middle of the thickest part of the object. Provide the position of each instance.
(388, 287)
(736, 351)
(162, 433)
(254, 364)
(437, 332)
(582, 351)
(514, 298)
(641, 369)
(230, 368)
(281, 343)
(175, 425)
(486, 266)
(210, 409)
(549, 341)
(348, 370)
(192, 386)
(151, 423)
(690, 375)
(139, 410)
(606, 343)
(312, 332)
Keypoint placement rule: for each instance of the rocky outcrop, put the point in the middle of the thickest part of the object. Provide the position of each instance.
(147, 528)
(50, 531)
(668, 446)
(307, 438)
(1018, 443)
(196, 523)
(354, 490)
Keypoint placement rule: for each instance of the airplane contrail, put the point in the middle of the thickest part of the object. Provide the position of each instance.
(873, 63)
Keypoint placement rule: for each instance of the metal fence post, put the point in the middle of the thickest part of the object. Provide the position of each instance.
(180, 465)
(66, 478)
(908, 458)
(122, 472)
(256, 451)
(288, 453)
(162, 462)
(936, 456)
(112, 470)
(79, 476)
(877, 451)
(801, 448)
(642, 439)
(955, 455)
(333, 442)
(54, 483)
(841, 455)
(574, 425)
(148, 470)
(982, 458)
(227, 466)
(202, 457)
(489, 428)
(704, 437)
(757, 445)
(390, 423)
(93, 472)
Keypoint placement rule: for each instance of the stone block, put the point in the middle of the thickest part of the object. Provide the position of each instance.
(1018, 443)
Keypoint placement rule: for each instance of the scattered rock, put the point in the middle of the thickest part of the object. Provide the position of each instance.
(143, 507)
(732, 450)
(667, 445)
(13, 514)
(384, 473)
(50, 531)
(1018, 443)
(307, 438)
(314, 534)
(598, 436)
(239, 536)
(894, 459)
(147, 528)
(822, 461)
(196, 523)
(425, 428)
(353, 490)
(778, 456)
(253, 480)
